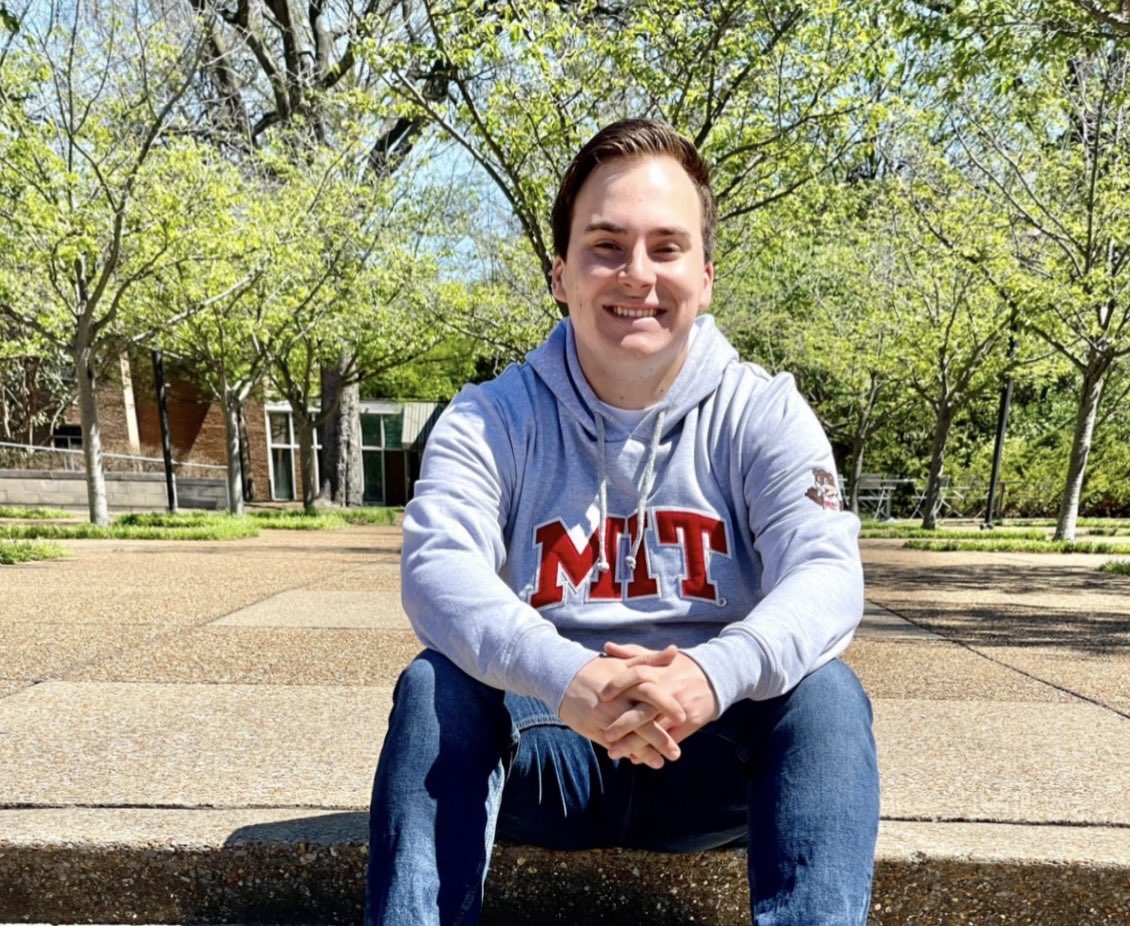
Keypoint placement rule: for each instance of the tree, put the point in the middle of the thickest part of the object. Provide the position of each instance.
(35, 390)
(224, 300)
(773, 95)
(953, 327)
(1051, 154)
(289, 79)
(812, 297)
(88, 103)
(354, 296)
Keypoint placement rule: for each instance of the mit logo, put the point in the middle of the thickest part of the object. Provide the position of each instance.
(560, 560)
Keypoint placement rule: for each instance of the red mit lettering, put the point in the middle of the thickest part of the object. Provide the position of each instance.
(561, 562)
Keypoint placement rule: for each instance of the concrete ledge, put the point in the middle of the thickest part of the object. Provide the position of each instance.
(124, 491)
(276, 866)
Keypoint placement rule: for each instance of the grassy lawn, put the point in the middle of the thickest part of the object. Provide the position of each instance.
(324, 518)
(197, 525)
(907, 532)
(27, 551)
(1094, 535)
(1011, 545)
(216, 528)
(1121, 567)
(32, 514)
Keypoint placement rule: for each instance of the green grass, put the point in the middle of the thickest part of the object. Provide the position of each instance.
(27, 551)
(326, 518)
(1005, 545)
(1117, 566)
(32, 514)
(140, 527)
(300, 521)
(382, 517)
(199, 525)
(1123, 523)
(906, 531)
(165, 519)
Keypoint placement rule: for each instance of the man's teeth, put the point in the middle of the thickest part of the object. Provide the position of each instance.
(624, 312)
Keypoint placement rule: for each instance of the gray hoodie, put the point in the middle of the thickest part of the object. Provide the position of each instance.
(521, 549)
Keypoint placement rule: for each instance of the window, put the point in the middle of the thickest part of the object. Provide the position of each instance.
(381, 455)
(282, 444)
(67, 437)
(282, 447)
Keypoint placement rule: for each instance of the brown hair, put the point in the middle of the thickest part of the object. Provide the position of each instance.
(632, 138)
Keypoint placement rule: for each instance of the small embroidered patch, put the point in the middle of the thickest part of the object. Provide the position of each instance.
(825, 492)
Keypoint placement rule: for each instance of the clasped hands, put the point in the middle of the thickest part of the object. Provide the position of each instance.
(639, 703)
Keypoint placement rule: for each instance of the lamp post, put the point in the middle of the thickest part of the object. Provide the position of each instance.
(163, 417)
(1002, 424)
(998, 449)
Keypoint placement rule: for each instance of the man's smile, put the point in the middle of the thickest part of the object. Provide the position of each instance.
(640, 311)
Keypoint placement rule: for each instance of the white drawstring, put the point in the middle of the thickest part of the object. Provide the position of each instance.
(602, 493)
(647, 481)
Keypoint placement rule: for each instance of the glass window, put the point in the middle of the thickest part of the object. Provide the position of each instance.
(371, 431)
(393, 427)
(67, 436)
(282, 459)
(374, 492)
(280, 427)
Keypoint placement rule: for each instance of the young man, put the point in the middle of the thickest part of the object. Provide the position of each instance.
(629, 565)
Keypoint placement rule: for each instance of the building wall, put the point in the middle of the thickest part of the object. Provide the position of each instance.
(255, 420)
(130, 424)
(196, 422)
(124, 491)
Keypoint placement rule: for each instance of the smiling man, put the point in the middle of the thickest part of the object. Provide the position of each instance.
(631, 597)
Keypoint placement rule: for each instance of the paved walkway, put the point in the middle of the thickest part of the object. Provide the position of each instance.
(188, 733)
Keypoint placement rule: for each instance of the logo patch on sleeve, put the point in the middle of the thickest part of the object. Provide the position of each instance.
(824, 492)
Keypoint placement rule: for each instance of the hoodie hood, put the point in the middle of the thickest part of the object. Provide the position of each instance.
(557, 365)
(542, 527)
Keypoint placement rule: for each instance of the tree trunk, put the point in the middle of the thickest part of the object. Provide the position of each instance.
(91, 434)
(305, 432)
(343, 474)
(1094, 378)
(330, 471)
(246, 471)
(859, 442)
(232, 405)
(933, 499)
(856, 462)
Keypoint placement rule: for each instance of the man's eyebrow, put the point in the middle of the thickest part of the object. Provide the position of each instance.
(605, 226)
(666, 231)
(671, 231)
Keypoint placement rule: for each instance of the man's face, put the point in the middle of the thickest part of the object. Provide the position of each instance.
(634, 277)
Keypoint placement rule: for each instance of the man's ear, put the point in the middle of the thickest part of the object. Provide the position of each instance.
(708, 288)
(557, 285)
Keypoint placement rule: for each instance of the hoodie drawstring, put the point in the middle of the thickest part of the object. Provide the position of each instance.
(647, 481)
(602, 493)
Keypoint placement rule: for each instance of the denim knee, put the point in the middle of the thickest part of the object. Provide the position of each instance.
(434, 692)
(835, 695)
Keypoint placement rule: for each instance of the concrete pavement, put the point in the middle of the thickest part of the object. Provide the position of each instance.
(188, 733)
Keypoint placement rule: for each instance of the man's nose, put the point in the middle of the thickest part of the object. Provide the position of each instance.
(638, 267)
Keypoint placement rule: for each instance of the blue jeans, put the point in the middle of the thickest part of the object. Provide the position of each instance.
(796, 776)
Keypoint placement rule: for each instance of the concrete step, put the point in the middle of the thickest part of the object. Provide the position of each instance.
(73, 865)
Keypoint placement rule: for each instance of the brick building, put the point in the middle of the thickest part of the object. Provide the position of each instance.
(393, 433)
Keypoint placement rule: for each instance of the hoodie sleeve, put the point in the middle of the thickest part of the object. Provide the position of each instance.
(454, 547)
(812, 578)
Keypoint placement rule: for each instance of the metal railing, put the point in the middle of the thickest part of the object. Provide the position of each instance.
(72, 460)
